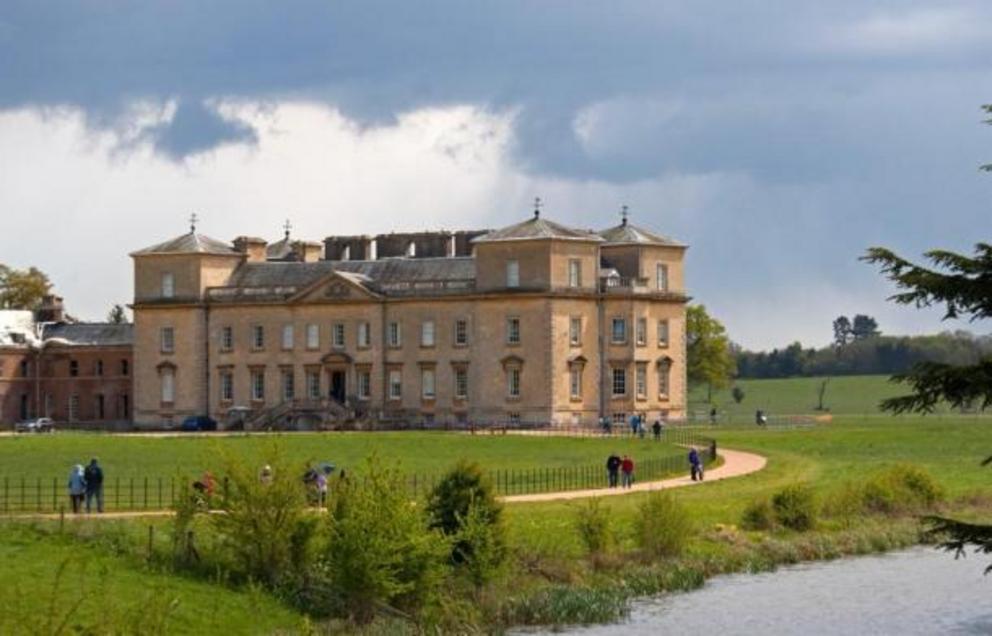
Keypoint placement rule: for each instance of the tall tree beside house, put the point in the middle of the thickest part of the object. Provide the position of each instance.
(117, 315)
(842, 331)
(963, 286)
(22, 288)
(708, 349)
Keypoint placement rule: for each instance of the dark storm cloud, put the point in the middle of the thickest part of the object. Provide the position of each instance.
(549, 59)
(195, 128)
(829, 126)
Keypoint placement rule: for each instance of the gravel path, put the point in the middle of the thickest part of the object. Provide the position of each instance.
(735, 464)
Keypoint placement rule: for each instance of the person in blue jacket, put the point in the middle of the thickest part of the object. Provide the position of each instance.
(695, 465)
(77, 488)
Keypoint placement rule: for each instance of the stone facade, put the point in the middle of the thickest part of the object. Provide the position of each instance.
(536, 323)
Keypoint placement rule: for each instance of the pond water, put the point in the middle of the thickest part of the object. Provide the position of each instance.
(918, 591)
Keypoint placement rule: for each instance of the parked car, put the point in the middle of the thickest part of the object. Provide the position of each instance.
(39, 425)
(195, 423)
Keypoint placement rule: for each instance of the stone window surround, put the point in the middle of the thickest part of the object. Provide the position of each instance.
(284, 371)
(366, 369)
(432, 367)
(513, 363)
(511, 334)
(312, 371)
(459, 366)
(575, 341)
(622, 320)
(390, 369)
(454, 339)
(256, 370)
(167, 368)
(226, 370)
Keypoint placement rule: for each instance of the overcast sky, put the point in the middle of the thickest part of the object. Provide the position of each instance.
(778, 139)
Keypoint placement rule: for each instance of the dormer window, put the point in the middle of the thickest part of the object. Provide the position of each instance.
(513, 273)
(168, 285)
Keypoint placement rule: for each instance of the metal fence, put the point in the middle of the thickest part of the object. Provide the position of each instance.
(20, 495)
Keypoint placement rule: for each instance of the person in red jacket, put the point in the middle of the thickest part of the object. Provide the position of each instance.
(627, 468)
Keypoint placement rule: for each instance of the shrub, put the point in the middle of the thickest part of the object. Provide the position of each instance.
(480, 546)
(877, 495)
(918, 485)
(261, 524)
(758, 515)
(795, 507)
(592, 521)
(901, 488)
(464, 495)
(380, 550)
(662, 526)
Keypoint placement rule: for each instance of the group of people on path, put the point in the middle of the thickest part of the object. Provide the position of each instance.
(637, 426)
(86, 484)
(617, 467)
(620, 471)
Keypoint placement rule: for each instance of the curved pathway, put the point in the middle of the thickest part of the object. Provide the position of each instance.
(735, 464)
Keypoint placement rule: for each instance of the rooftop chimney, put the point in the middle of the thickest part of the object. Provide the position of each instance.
(252, 246)
(51, 309)
(307, 251)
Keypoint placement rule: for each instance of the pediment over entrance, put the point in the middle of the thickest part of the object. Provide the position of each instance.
(335, 287)
(337, 357)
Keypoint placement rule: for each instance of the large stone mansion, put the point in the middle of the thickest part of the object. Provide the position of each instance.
(534, 323)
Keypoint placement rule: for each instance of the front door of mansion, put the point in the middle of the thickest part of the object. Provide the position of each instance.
(337, 386)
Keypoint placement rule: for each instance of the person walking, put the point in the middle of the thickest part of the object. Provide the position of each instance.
(94, 485)
(627, 467)
(604, 423)
(695, 465)
(641, 430)
(77, 488)
(656, 429)
(613, 469)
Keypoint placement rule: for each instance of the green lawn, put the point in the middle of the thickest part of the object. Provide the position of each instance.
(848, 448)
(34, 468)
(543, 537)
(46, 576)
(845, 395)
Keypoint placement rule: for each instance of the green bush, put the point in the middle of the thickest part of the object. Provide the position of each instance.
(917, 485)
(461, 496)
(261, 522)
(900, 488)
(592, 521)
(480, 546)
(380, 551)
(758, 515)
(662, 527)
(795, 507)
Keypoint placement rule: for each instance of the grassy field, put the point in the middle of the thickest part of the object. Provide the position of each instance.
(543, 538)
(48, 576)
(142, 473)
(416, 452)
(845, 395)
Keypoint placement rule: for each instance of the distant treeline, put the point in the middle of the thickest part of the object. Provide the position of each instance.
(875, 354)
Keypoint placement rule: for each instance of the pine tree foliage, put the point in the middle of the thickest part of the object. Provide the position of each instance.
(963, 285)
